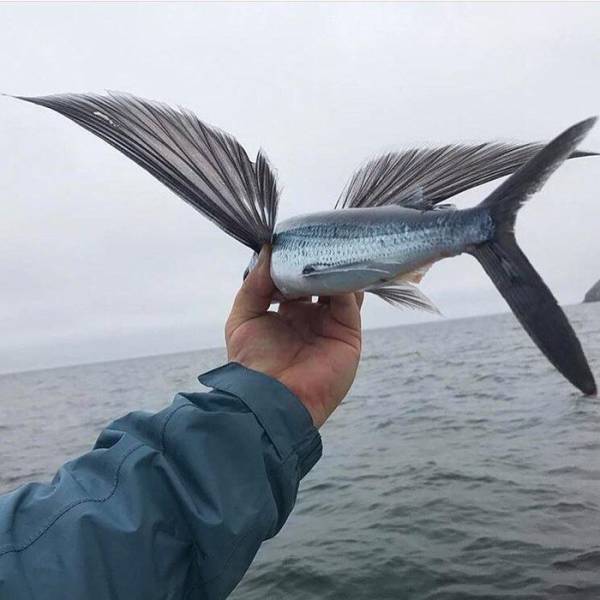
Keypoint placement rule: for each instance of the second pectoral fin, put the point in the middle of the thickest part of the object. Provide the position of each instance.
(404, 295)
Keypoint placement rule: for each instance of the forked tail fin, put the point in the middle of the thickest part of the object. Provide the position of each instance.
(514, 276)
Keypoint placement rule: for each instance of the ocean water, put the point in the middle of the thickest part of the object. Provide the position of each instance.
(460, 466)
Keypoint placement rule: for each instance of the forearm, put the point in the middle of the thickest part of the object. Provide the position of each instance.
(164, 503)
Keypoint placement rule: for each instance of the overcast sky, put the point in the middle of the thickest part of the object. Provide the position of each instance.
(99, 261)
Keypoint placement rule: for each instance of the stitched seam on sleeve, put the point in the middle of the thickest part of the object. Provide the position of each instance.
(35, 537)
(168, 419)
(292, 454)
(240, 541)
(163, 439)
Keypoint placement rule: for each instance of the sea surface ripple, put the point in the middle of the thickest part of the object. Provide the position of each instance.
(461, 465)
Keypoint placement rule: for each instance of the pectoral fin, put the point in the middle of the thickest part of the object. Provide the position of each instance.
(382, 271)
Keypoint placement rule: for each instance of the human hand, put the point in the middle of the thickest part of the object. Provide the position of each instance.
(312, 348)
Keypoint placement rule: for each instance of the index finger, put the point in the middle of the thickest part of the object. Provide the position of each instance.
(254, 297)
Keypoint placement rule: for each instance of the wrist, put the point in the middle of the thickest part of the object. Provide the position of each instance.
(303, 390)
(314, 401)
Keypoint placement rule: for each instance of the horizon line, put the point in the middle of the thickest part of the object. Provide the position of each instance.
(208, 348)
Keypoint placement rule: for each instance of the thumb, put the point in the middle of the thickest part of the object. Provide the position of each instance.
(254, 297)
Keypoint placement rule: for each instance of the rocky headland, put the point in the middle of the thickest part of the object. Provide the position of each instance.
(593, 294)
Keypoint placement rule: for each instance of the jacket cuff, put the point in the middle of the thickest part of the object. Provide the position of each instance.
(283, 417)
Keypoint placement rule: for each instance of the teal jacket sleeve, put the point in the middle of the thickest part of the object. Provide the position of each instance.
(172, 505)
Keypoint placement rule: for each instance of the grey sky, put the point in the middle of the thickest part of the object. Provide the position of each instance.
(100, 261)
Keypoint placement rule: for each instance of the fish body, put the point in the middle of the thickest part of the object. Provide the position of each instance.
(388, 226)
(356, 249)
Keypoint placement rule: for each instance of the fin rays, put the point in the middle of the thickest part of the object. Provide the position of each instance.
(404, 295)
(206, 167)
(438, 173)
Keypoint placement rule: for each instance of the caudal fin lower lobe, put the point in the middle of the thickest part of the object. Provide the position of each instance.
(536, 308)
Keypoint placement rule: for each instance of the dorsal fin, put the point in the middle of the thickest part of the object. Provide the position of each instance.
(439, 173)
